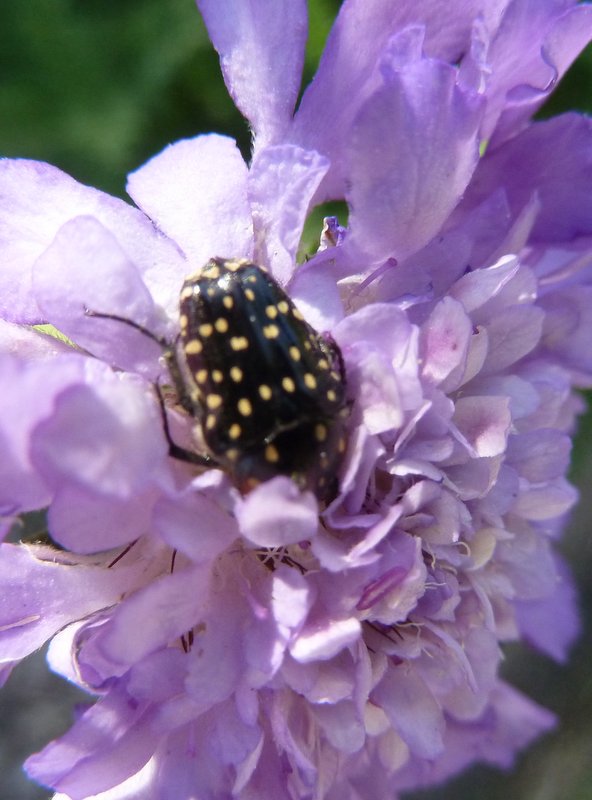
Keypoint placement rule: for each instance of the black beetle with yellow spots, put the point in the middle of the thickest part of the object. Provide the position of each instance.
(267, 389)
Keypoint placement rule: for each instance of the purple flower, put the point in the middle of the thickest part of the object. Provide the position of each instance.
(267, 645)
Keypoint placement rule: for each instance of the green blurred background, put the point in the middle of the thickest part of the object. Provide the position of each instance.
(98, 86)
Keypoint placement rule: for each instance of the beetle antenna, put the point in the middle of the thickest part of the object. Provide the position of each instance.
(99, 315)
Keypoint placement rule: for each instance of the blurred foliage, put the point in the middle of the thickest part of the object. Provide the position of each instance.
(97, 87)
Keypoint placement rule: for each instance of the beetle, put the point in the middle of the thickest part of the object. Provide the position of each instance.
(268, 390)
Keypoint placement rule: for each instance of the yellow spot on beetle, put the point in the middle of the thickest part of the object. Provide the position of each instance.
(206, 329)
(249, 294)
(234, 431)
(244, 407)
(183, 321)
(271, 454)
(228, 301)
(201, 375)
(239, 342)
(331, 396)
(323, 363)
(211, 422)
(212, 272)
(295, 353)
(288, 384)
(320, 432)
(310, 381)
(297, 314)
(271, 331)
(217, 376)
(265, 392)
(193, 347)
(271, 312)
(236, 374)
(213, 401)
(221, 325)
(283, 306)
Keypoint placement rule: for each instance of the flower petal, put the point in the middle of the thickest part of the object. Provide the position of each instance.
(535, 44)
(36, 199)
(88, 259)
(22, 487)
(151, 618)
(261, 46)
(195, 523)
(38, 590)
(195, 191)
(552, 158)
(552, 623)
(282, 182)
(412, 710)
(348, 70)
(413, 149)
(277, 514)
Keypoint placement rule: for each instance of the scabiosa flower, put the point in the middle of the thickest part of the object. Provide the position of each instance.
(269, 645)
